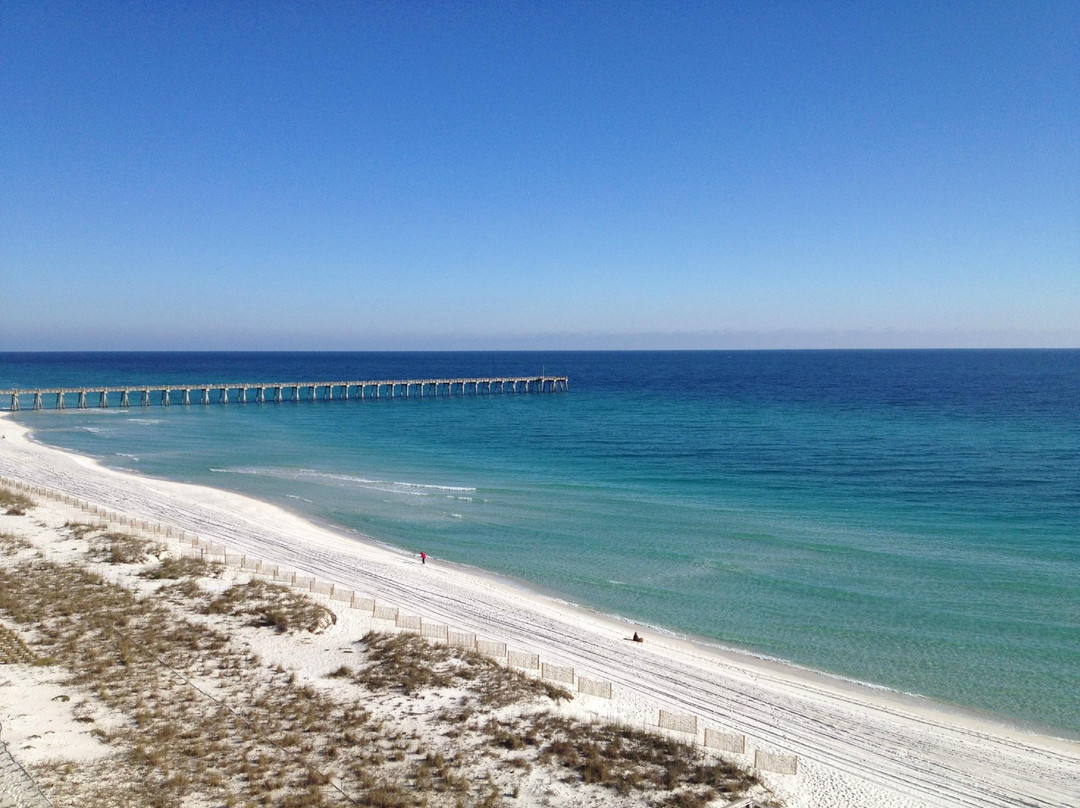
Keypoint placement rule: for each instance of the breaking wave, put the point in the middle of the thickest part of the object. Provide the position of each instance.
(351, 480)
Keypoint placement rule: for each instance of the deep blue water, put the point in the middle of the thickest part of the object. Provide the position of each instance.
(907, 518)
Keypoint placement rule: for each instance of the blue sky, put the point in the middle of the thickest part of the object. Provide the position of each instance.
(539, 175)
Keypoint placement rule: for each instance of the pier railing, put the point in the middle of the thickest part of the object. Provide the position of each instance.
(164, 395)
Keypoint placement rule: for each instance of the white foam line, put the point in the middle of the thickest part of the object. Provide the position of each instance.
(375, 485)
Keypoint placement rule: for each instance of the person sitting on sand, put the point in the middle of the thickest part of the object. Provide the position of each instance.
(637, 638)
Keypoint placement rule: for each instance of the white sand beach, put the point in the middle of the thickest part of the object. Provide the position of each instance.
(856, 746)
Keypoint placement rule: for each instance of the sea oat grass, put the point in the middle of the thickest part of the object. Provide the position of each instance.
(12, 503)
(80, 530)
(175, 568)
(626, 759)
(11, 544)
(273, 605)
(410, 663)
(115, 547)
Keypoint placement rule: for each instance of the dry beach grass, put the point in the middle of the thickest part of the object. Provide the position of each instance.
(13, 503)
(158, 662)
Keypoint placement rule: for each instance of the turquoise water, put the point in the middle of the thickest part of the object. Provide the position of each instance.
(910, 519)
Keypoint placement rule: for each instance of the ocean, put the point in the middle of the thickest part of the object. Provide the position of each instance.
(909, 519)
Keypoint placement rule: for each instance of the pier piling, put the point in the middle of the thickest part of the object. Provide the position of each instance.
(313, 391)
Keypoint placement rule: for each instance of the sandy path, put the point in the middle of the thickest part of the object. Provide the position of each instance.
(856, 746)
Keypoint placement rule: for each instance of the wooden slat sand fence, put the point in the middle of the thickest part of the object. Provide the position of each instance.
(678, 722)
(594, 687)
(490, 648)
(776, 762)
(385, 612)
(342, 595)
(409, 622)
(303, 581)
(461, 639)
(434, 631)
(557, 673)
(364, 605)
(725, 741)
(521, 659)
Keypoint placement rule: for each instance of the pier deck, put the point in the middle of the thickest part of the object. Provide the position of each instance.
(274, 392)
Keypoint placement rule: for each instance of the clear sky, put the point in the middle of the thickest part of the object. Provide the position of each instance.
(324, 175)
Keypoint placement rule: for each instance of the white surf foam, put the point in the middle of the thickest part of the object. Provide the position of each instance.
(383, 486)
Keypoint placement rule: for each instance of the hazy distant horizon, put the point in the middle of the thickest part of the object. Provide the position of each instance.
(780, 340)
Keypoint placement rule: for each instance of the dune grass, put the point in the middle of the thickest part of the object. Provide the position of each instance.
(116, 547)
(13, 503)
(203, 721)
(11, 543)
(274, 605)
(177, 568)
(410, 664)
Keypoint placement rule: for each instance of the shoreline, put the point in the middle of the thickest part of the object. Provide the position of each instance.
(701, 643)
(857, 744)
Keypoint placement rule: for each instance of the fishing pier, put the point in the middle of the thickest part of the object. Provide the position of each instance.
(164, 395)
